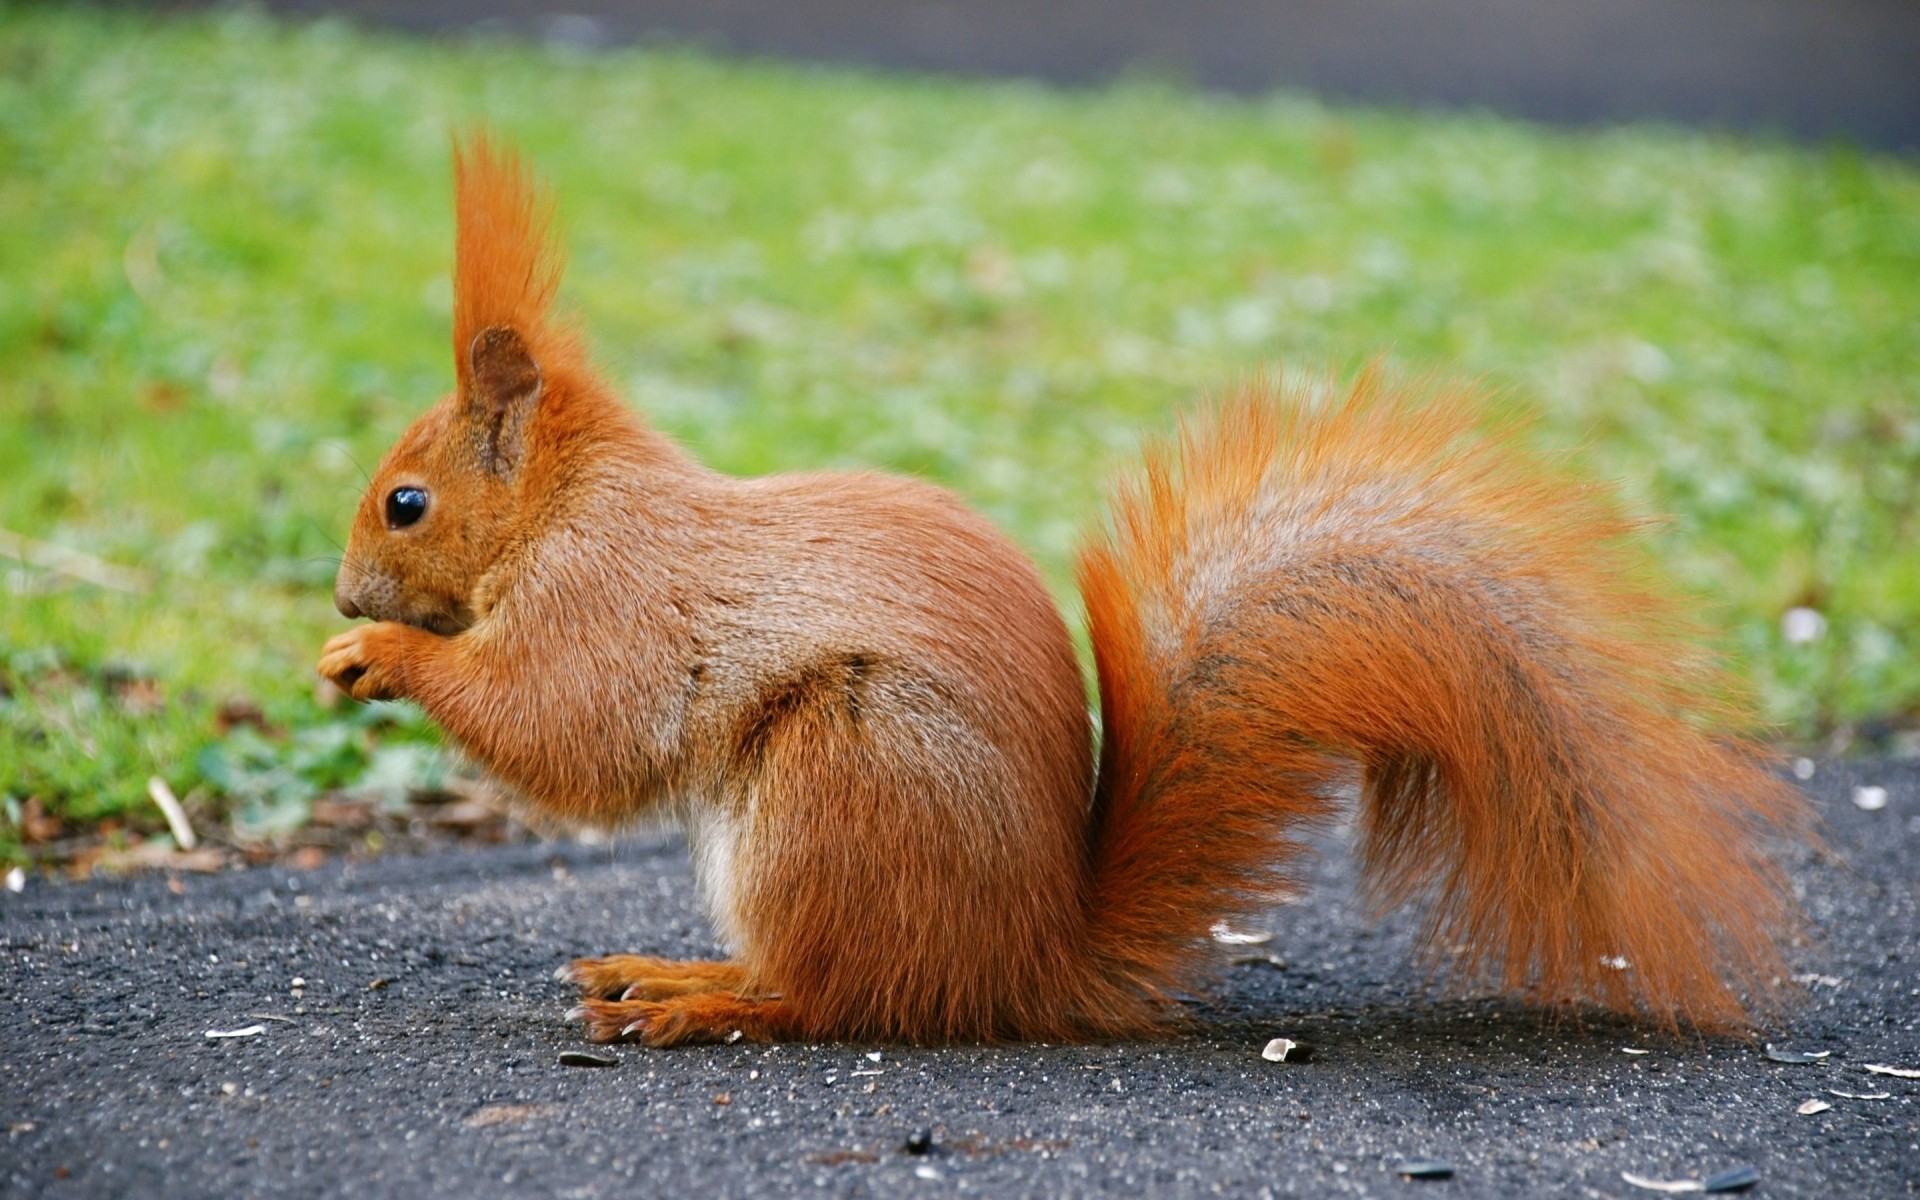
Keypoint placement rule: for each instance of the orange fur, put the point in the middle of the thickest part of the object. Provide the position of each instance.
(636, 977)
(1374, 583)
(507, 267)
(862, 704)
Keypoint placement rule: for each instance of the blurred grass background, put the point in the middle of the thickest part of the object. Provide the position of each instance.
(224, 287)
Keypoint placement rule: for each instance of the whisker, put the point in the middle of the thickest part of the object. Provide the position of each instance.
(328, 538)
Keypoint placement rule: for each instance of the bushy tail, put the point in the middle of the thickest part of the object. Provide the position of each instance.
(1292, 590)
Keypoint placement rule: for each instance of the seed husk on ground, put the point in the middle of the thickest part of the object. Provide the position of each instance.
(580, 1058)
(1733, 1179)
(1228, 936)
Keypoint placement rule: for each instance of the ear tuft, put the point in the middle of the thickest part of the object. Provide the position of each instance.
(506, 264)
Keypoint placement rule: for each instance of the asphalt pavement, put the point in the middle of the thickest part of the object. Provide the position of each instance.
(407, 1041)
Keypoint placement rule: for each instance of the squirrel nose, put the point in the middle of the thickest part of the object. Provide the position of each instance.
(345, 604)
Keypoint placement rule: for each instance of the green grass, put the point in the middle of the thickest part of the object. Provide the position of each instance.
(224, 252)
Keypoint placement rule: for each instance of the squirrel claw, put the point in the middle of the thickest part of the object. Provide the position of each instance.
(613, 1020)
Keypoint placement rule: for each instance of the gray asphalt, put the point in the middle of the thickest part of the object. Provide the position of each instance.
(419, 1056)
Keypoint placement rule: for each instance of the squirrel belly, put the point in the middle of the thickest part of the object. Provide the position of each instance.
(862, 702)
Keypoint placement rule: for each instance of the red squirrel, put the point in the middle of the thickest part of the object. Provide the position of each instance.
(863, 706)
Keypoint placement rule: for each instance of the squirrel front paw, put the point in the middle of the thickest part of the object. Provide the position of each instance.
(368, 662)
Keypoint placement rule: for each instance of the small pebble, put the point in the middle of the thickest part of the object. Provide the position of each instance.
(580, 1058)
(16, 879)
(920, 1141)
(1870, 799)
(1425, 1168)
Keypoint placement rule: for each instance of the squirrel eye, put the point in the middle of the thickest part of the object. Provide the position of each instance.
(405, 506)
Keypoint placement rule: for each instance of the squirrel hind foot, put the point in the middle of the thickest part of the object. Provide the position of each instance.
(707, 1018)
(639, 977)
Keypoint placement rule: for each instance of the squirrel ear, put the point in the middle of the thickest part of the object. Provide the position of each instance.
(503, 388)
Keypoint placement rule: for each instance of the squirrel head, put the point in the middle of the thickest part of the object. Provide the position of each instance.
(450, 495)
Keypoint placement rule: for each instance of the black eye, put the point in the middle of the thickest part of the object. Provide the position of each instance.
(405, 506)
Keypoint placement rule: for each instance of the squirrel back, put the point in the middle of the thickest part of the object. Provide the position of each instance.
(860, 701)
